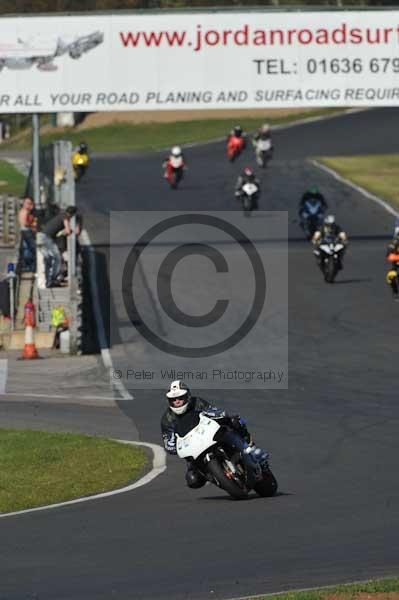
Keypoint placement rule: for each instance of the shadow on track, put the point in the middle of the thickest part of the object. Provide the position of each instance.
(252, 496)
(358, 280)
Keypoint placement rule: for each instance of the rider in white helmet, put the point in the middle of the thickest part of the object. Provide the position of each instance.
(176, 151)
(181, 402)
(262, 142)
(175, 159)
(263, 133)
(329, 228)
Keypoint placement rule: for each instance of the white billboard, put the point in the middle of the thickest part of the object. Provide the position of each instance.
(254, 59)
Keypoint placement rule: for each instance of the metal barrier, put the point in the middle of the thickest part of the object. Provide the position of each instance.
(8, 220)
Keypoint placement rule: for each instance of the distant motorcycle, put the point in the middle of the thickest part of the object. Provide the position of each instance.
(235, 146)
(263, 152)
(80, 163)
(311, 217)
(174, 169)
(392, 277)
(249, 196)
(201, 441)
(329, 255)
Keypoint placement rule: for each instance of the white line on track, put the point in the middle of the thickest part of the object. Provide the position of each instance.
(359, 189)
(158, 467)
(58, 396)
(95, 300)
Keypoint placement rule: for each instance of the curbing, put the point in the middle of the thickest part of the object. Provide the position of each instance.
(309, 589)
(158, 467)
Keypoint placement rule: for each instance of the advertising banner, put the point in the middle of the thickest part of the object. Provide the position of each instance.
(191, 60)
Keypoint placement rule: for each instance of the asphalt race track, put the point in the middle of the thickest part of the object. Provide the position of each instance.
(332, 434)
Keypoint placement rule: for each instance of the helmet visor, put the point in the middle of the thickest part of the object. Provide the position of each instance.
(179, 401)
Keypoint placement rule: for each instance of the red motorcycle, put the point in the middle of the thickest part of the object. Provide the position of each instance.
(235, 145)
(174, 168)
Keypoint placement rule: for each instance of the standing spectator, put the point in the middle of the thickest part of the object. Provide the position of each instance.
(27, 225)
(60, 225)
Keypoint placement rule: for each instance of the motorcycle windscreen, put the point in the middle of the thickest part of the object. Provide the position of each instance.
(187, 422)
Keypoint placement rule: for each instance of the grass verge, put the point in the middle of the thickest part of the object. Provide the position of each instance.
(11, 181)
(124, 137)
(379, 589)
(39, 468)
(376, 173)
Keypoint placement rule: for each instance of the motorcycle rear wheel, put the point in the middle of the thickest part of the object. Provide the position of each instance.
(228, 485)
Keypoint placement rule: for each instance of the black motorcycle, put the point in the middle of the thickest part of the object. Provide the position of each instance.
(329, 255)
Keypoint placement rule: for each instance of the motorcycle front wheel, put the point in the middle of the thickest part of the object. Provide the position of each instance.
(330, 270)
(79, 171)
(226, 483)
(247, 207)
(268, 486)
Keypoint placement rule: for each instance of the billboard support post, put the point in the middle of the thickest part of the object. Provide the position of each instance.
(35, 160)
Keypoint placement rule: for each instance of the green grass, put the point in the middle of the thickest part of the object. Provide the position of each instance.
(123, 137)
(39, 468)
(348, 592)
(11, 181)
(378, 174)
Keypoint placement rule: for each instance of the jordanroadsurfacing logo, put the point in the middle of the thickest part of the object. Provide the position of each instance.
(199, 294)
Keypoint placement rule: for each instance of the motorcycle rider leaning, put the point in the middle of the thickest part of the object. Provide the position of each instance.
(329, 229)
(237, 435)
(247, 176)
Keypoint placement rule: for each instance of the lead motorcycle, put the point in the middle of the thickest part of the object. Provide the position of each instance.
(201, 441)
(329, 254)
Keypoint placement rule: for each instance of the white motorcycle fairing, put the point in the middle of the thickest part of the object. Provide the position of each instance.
(198, 440)
(331, 248)
(263, 145)
(250, 188)
(176, 162)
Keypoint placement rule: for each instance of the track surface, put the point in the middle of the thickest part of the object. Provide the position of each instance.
(332, 435)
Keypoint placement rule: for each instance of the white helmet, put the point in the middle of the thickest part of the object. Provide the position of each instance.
(178, 389)
(265, 128)
(176, 151)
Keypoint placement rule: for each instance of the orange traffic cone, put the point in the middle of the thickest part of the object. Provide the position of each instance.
(30, 350)
(29, 320)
